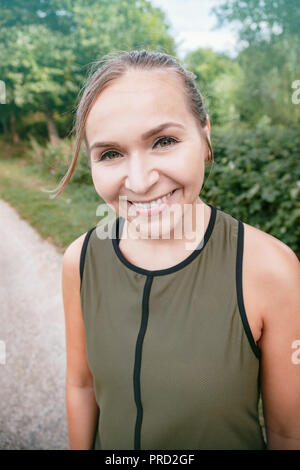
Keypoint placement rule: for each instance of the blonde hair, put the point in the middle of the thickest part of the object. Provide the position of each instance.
(111, 67)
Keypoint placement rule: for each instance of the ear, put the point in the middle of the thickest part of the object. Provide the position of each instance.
(207, 127)
(207, 132)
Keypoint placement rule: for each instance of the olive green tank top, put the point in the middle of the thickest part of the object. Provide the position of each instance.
(174, 362)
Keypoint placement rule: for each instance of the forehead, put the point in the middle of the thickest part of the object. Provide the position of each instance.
(138, 97)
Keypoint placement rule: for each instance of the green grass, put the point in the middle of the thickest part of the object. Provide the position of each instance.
(60, 220)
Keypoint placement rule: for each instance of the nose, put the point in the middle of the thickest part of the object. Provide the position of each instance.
(140, 175)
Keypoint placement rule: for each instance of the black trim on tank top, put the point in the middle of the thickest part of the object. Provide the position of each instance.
(137, 363)
(83, 253)
(239, 287)
(160, 272)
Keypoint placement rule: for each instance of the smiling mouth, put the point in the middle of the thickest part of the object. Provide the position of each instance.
(153, 202)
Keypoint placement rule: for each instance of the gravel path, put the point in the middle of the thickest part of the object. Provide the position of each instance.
(32, 339)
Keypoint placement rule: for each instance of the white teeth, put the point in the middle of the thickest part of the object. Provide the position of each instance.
(157, 202)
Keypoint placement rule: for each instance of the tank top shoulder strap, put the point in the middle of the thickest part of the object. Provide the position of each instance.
(239, 287)
(83, 252)
(239, 252)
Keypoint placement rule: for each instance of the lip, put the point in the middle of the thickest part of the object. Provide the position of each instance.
(151, 210)
(154, 199)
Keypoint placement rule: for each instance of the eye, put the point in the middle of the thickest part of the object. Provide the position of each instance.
(166, 138)
(104, 156)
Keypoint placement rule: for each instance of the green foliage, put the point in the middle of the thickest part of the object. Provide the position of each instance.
(258, 19)
(46, 47)
(37, 67)
(216, 78)
(265, 88)
(256, 178)
(56, 159)
(269, 58)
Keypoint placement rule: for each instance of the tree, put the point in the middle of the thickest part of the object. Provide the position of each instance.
(47, 50)
(259, 20)
(269, 58)
(216, 78)
(37, 65)
(265, 91)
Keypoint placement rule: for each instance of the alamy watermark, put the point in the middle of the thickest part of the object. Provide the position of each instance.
(295, 99)
(296, 354)
(2, 352)
(154, 225)
(2, 92)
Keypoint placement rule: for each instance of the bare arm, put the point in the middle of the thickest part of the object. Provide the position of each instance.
(280, 359)
(81, 406)
(82, 414)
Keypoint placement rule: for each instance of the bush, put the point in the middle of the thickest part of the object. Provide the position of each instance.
(57, 159)
(256, 178)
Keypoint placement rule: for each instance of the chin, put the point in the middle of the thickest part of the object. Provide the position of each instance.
(158, 226)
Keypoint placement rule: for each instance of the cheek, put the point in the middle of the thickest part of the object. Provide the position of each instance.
(195, 167)
(106, 183)
(100, 183)
(188, 167)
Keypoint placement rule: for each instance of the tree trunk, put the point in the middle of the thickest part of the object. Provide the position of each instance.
(14, 132)
(5, 130)
(52, 129)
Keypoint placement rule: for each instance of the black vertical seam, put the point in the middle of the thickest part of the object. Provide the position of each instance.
(137, 363)
(239, 288)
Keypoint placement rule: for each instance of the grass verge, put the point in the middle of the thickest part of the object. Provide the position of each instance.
(59, 220)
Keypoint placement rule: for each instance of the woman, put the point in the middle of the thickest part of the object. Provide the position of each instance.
(170, 338)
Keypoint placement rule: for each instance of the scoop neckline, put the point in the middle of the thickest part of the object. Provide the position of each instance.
(160, 272)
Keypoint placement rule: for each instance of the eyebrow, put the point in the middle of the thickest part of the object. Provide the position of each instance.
(145, 136)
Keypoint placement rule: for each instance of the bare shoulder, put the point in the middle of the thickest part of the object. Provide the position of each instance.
(270, 265)
(71, 259)
(78, 373)
(272, 274)
(269, 254)
(263, 240)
